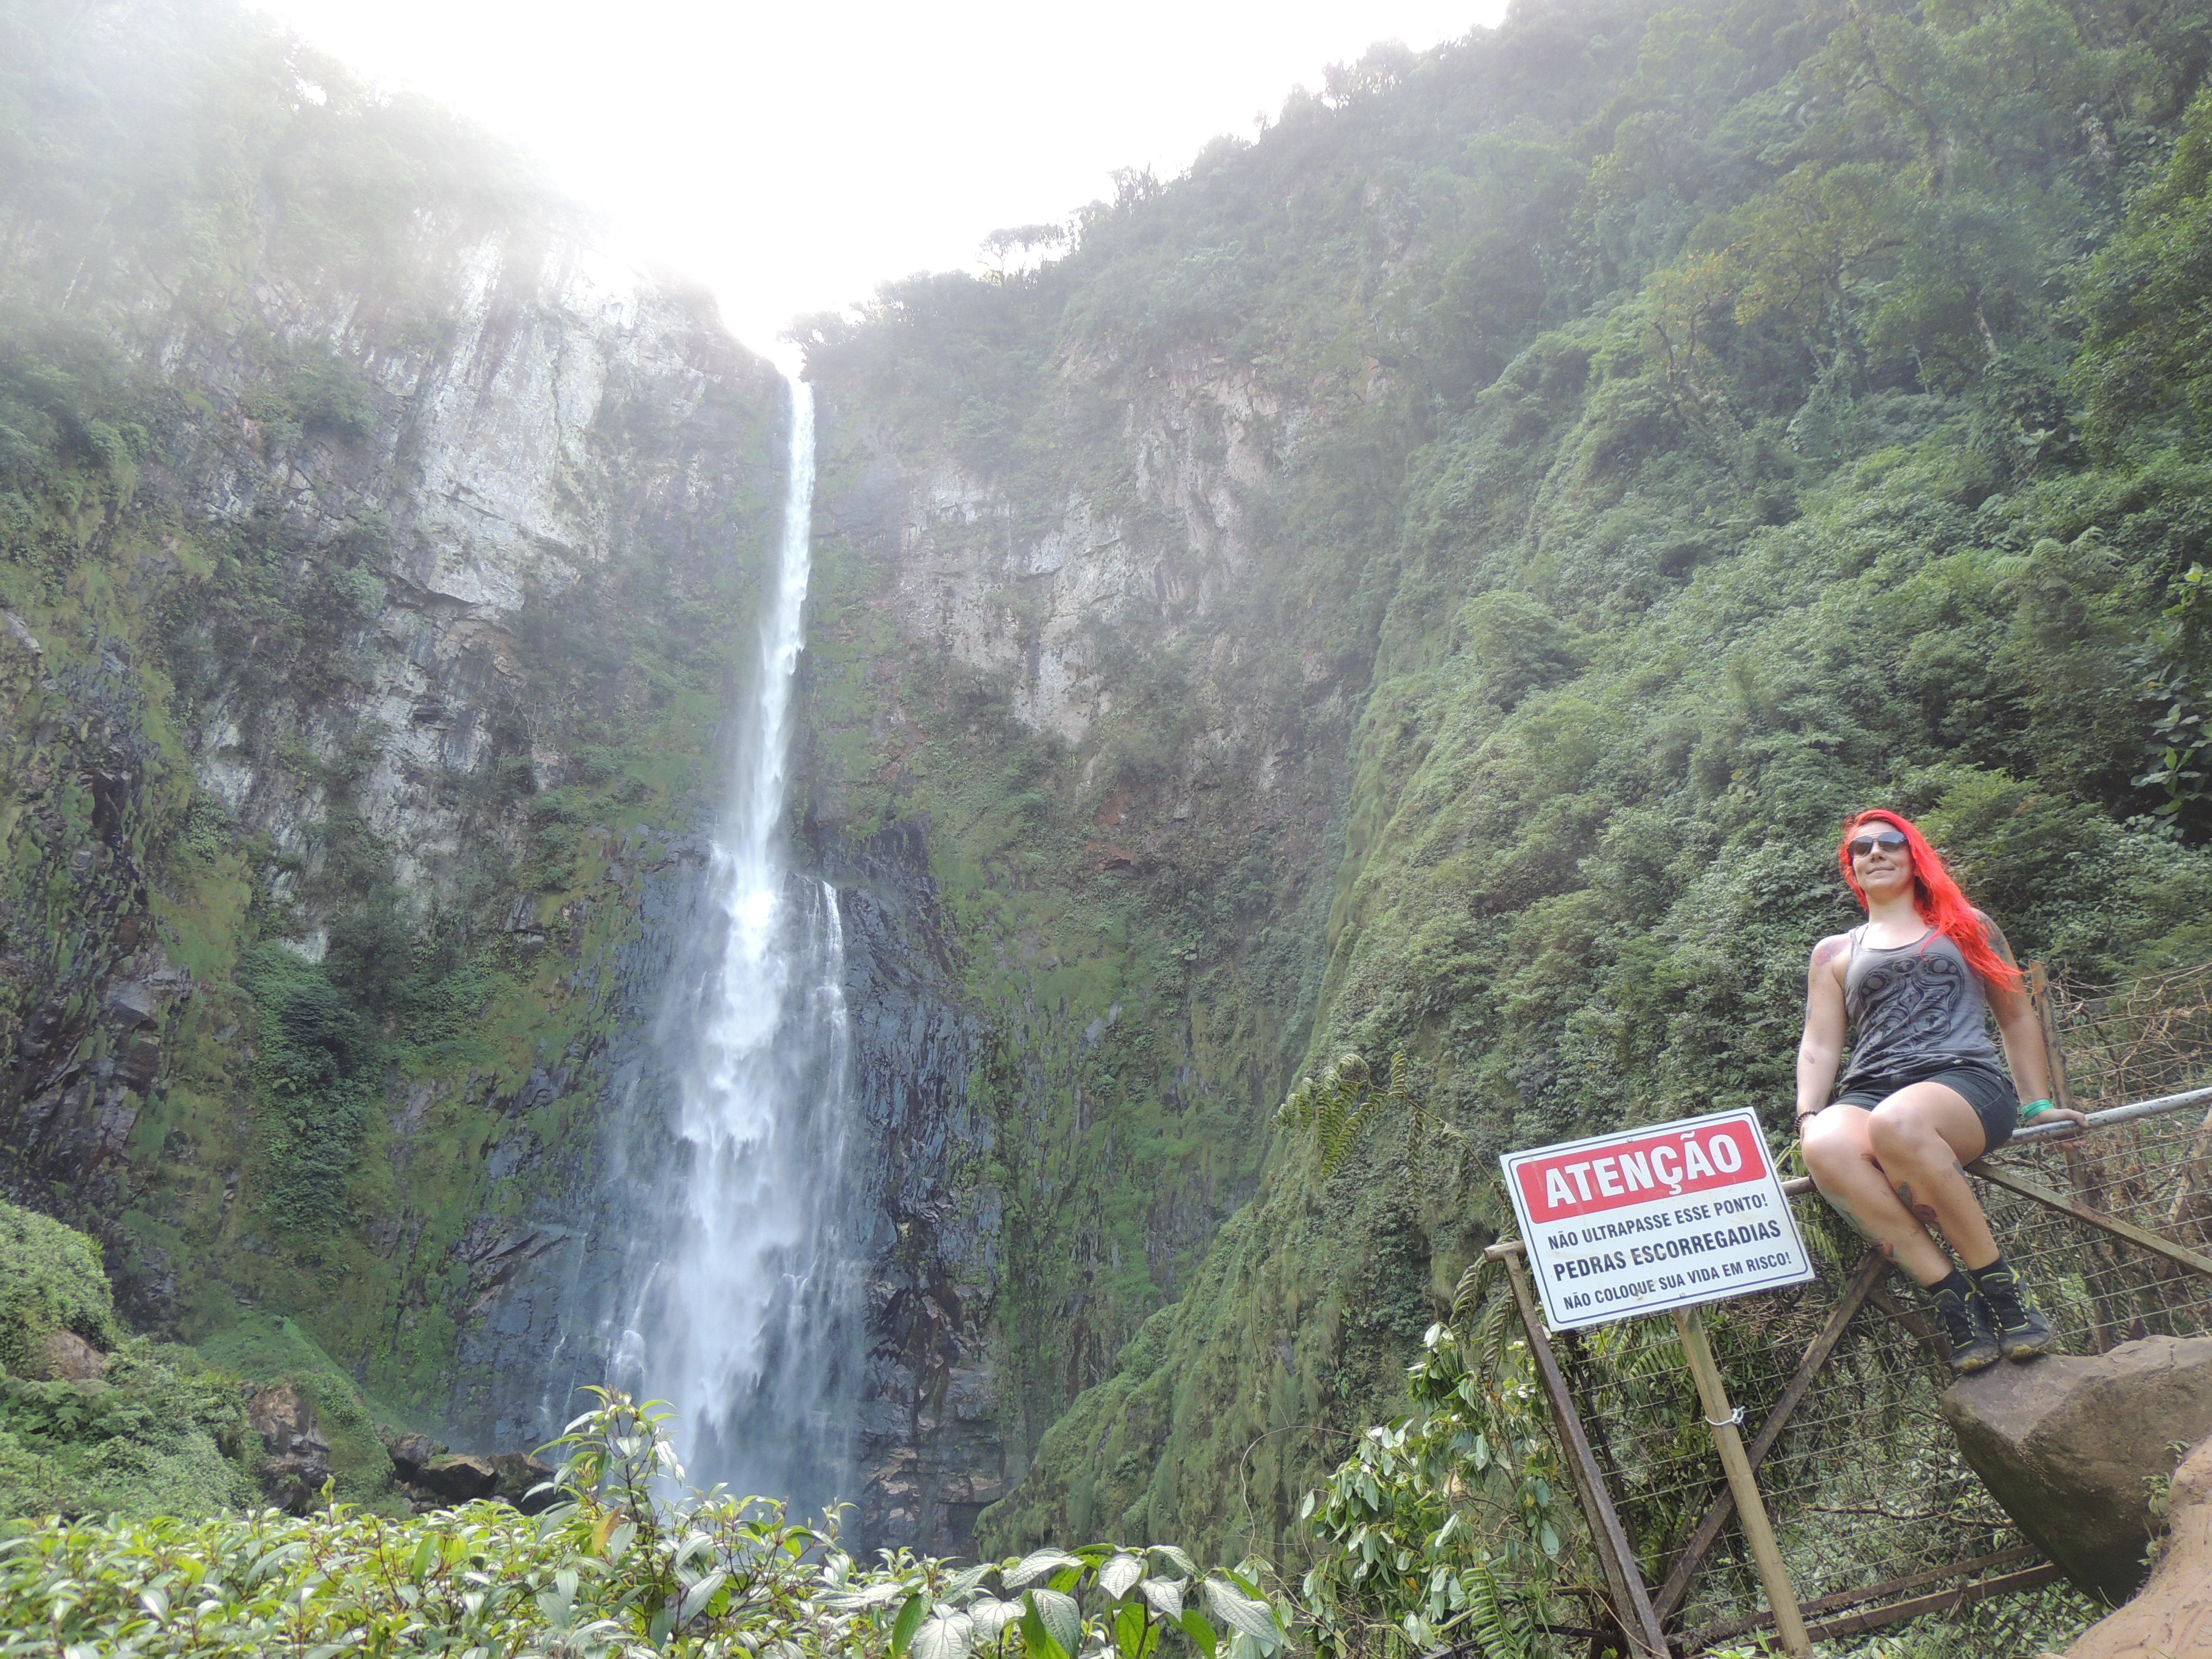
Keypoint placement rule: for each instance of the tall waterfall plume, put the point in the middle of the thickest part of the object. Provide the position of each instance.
(750, 1320)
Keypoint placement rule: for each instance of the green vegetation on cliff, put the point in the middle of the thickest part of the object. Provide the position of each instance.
(159, 1434)
(50, 1280)
(313, 863)
(155, 1434)
(108, 1423)
(1601, 453)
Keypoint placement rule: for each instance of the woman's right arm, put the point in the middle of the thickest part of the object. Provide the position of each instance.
(1822, 1045)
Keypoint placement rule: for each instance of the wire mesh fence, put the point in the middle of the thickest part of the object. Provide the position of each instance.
(1876, 1515)
(2146, 1040)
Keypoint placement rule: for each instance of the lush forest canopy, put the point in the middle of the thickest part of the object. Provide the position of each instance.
(1709, 420)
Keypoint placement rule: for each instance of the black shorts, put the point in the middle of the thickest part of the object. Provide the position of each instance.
(1982, 1084)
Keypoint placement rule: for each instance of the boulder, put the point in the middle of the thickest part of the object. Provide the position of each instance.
(459, 1479)
(2070, 1446)
(281, 1414)
(299, 1460)
(518, 1472)
(295, 1481)
(2171, 1618)
(411, 1455)
(65, 1356)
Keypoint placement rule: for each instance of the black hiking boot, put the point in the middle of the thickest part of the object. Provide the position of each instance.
(1966, 1327)
(2023, 1334)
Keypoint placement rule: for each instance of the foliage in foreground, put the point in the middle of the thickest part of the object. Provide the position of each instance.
(1448, 1526)
(619, 1567)
(1449, 1530)
(1454, 1528)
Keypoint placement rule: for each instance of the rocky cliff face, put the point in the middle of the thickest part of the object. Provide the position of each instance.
(573, 436)
(383, 613)
(1020, 589)
(375, 591)
(1080, 694)
(932, 1448)
(372, 625)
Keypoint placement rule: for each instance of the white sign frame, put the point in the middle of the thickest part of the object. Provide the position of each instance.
(1709, 1232)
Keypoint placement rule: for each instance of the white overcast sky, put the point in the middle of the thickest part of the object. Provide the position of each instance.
(793, 157)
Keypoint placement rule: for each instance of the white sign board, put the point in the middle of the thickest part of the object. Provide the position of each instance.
(1654, 1218)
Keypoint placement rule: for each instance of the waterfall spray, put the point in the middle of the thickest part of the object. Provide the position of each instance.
(750, 1322)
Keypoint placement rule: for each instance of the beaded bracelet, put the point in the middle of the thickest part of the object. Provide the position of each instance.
(2034, 1109)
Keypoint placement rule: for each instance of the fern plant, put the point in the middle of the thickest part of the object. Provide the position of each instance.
(1452, 1528)
(1337, 1107)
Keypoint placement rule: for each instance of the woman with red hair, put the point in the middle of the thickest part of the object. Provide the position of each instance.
(1925, 1094)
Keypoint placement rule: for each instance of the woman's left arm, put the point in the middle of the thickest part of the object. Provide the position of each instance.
(2025, 1052)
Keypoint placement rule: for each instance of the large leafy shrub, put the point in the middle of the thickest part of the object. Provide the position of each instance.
(626, 1564)
(51, 1279)
(160, 1434)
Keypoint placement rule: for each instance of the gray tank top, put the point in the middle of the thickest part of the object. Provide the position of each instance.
(1913, 1007)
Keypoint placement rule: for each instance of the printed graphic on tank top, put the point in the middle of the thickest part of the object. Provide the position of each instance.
(1913, 1007)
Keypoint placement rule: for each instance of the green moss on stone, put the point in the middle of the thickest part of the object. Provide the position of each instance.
(51, 1279)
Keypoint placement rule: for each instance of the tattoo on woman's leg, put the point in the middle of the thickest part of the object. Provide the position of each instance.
(1925, 1213)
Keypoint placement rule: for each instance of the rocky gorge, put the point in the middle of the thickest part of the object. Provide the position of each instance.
(1421, 587)
(355, 847)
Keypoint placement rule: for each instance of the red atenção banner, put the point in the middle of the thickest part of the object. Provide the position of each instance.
(1669, 1163)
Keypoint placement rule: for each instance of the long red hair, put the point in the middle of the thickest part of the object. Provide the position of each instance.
(1942, 904)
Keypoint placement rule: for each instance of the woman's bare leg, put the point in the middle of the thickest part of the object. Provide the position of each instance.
(1923, 1137)
(1839, 1153)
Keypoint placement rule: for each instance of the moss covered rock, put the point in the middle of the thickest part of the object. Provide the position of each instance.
(50, 1280)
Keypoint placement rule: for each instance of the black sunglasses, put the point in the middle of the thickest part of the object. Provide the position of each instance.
(1890, 840)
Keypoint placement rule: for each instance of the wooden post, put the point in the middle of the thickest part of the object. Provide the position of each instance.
(2081, 1170)
(1750, 1508)
(2039, 985)
(1872, 1268)
(1647, 1637)
(2179, 1212)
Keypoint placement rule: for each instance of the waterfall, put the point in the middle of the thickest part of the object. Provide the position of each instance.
(749, 1322)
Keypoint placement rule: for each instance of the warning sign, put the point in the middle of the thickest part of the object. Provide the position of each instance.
(1653, 1219)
